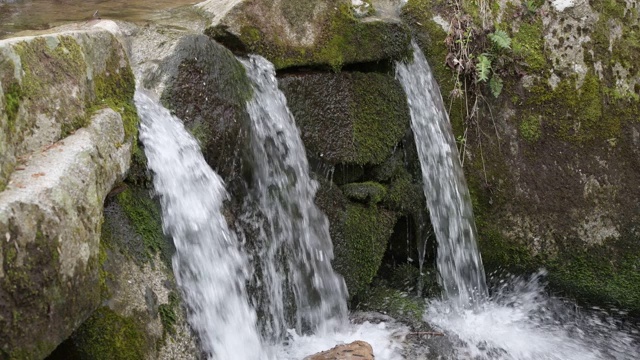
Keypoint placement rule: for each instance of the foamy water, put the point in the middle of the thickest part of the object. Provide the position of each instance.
(385, 339)
(521, 322)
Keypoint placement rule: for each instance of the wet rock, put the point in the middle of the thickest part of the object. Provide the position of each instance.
(357, 350)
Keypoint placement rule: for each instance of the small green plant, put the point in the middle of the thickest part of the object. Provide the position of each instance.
(501, 39)
(483, 67)
(496, 85)
(530, 7)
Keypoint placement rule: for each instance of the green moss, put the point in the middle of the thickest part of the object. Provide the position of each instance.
(64, 62)
(366, 115)
(115, 88)
(574, 115)
(530, 128)
(403, 194)
(107, 335)
(12, 100)
(341, 38)
(366, 231)
(369, 192)
(168, 314)
(600, 275)
(395, 303)
(380, 116)
(145, 218)
(528, 42)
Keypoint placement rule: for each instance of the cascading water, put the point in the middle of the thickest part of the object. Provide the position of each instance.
(519, 321)
(291, 225)
(209, 264)
(459, 262)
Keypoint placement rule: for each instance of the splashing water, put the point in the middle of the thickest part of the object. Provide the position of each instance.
(209, 264)
(291, 225)
(519, 321)
(459, 262)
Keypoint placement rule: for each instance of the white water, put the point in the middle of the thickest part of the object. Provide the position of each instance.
(459, 263)
(296, 249)
(209, 264)
(519, 321)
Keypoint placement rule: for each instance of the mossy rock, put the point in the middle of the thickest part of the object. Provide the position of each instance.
(133, 224)
(395, 303)
(209, 94)
(359, 234)
(324, 33)
(51, 86)
(348, 118)
(369, 192)
(107, 335)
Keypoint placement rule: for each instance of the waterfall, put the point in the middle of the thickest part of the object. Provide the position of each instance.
(519, 321)
(458, 261)
(291, 225)
(209, 265)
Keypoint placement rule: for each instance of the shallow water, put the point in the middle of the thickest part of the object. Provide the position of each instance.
(21, 15)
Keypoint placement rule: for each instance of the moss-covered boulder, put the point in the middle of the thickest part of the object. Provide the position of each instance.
(51, 215)
(49, 86)
(347, 118)
(552, 161)
(359, 234)
(292, 33)
(142, 316)
(61, 152)
(209, 92)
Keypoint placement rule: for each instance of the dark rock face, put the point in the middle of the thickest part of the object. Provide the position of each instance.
(355, 126)
(349, 117)
(209, 93)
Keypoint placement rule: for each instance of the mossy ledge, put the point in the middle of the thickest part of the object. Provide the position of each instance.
(332, 35)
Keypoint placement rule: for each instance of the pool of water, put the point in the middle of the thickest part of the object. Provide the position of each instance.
(22, 15)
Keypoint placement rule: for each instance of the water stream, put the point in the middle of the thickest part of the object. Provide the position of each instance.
(519, 320)
(209, 265)
(459, 263)
(296, 250)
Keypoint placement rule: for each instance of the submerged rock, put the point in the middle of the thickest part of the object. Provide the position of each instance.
(357, 350)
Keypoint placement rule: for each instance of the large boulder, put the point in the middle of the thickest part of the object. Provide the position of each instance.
(61, 153)
(50, 215)
(552, 162)
(291, 33)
